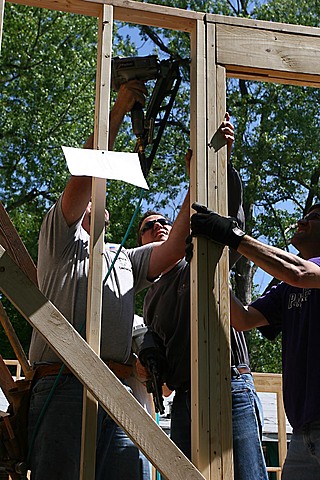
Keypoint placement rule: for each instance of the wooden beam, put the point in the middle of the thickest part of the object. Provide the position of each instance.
(200, 439)
(1, 20)
(125, 11)
(6, 380)
(219, 308)
(262, 75)
(15, 343)
(97, 233)
(93, 373)
(272, 383)
(252, 49)
(81, 7)
(218, 277)
(210, 329)
(263, 25)
(10, 240)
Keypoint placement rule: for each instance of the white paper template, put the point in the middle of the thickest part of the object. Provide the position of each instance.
(105, 164)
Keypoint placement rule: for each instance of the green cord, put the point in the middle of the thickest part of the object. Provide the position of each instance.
(125, 236)
(54, 386)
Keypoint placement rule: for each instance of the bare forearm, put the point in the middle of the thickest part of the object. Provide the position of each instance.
(180, 230)
(76, 197)
(169, 252)
(77, 193)
(244, 317)
(116, 118)
(280, 264)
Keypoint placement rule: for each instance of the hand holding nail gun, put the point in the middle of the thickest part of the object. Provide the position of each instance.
(147, 345)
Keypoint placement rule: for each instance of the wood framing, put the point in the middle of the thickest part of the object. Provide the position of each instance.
(272, 383)
(93, 373)
(1, 19)
(97, 232)
(220, 47)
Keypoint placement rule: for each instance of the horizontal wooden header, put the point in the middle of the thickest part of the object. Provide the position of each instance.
(268, 54)
(125, 11)
(263, 25)
(248, 49)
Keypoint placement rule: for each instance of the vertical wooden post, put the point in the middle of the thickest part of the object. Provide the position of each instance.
(219, 323)
(282, 430)
(200, 435)
(210, 330)
(1, 19)
(97, 231)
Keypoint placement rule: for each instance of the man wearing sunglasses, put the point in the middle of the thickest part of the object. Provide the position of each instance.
(291, 307)
(167, 313)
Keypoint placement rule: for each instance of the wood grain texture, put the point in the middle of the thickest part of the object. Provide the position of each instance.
(300, 30)
(254, 49)
(200, 426)
(272, 382)
(11, 241)
(14, 341)
(125, 11)
(1, 19)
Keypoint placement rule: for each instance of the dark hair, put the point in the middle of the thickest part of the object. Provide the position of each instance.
(313, 207)
(144, 216)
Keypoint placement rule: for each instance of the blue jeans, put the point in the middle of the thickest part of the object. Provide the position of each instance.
(247, 420)
(303, 457)
(56, 451)
(249, 463)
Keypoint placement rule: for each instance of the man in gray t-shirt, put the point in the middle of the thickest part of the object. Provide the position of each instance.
(63, 277)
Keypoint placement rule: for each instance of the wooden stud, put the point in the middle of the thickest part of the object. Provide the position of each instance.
(6, 380)
(15, 343)
(1, 19)
(272, 382)
(199, 289)
(97, 233)
(220, 357)
(11, 241)
(218, 301)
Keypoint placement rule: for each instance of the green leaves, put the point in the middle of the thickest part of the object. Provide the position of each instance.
(47, 92)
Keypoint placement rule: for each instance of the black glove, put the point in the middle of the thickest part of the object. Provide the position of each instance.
(207, 223)
(189, 249)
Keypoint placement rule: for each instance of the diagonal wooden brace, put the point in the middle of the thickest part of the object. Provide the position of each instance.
(94, 373)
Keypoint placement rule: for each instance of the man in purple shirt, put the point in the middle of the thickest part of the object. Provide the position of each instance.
(291, 307)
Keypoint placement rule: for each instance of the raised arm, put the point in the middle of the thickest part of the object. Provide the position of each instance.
(280, 264)
(172, 250)
(168, 253)
(77, 193)
(227, 130)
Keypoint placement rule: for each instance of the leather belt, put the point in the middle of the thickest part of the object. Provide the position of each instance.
(50, 369)
(236, 371)
(121, 370)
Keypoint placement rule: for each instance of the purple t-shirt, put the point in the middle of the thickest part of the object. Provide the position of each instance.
(296, 312)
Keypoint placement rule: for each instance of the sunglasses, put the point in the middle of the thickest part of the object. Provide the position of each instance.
(151, 223)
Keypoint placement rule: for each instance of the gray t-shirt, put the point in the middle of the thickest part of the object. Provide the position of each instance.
(63, 264)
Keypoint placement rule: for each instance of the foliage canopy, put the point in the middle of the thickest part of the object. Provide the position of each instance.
(47, 93)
